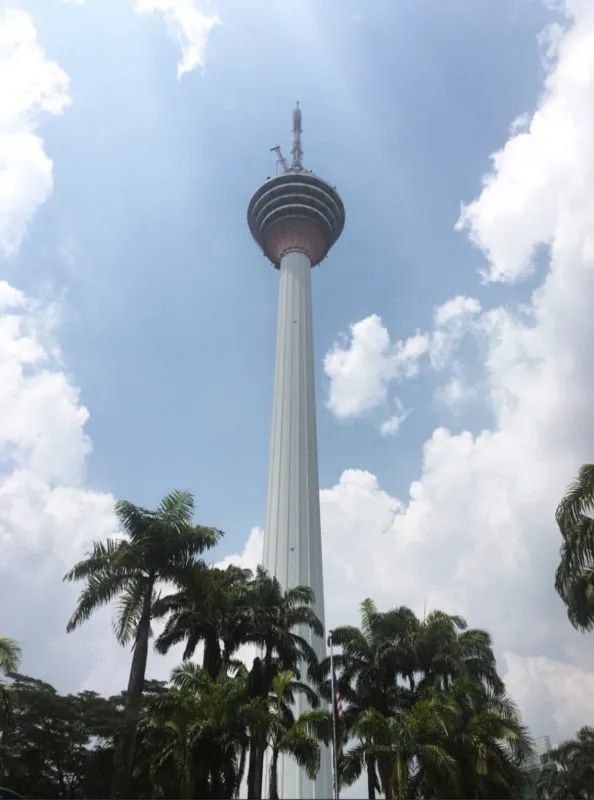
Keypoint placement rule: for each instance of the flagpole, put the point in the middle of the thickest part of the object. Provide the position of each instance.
(334, 726)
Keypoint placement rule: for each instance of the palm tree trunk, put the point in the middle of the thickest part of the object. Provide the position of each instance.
(386, 776)
(370, 762)
(229, 774)
(266, 686)
(261, 682)
(187, 787)
(273, 788)
(201, 781)
(211, 660)
(240, 770)
(252, 768)
(126, 738)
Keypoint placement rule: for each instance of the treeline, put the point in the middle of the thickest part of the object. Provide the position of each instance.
(425, 715)
(424, 712)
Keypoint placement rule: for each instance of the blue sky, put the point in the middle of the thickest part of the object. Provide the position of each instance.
(170, 308)
(138, 254)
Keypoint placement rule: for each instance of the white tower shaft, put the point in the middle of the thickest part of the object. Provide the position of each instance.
(292, 540)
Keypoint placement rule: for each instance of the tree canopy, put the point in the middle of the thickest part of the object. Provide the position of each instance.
(423, 710)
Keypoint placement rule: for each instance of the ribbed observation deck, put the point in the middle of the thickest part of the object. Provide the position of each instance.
(296, 211)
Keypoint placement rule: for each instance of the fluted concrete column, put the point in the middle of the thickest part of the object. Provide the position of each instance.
(292, 537)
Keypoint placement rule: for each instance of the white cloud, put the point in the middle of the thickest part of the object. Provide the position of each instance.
(189, 22)
(47, 519)
(452, 321)
(392, 425)
(455, 393)
(41, 419)
(535, 183)
(476, 534)
(362, 367)
(545, 687)
(251, 555)
(31, 88)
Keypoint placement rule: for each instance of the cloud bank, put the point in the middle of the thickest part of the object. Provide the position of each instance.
(476, 534)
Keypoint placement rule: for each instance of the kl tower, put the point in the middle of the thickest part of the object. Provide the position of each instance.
(296, 217)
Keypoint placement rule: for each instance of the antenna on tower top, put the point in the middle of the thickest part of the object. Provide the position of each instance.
(297, 150)
(280, 159)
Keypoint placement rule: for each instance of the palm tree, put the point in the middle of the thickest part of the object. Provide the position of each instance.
(446, 648)
(555, 782)
(487, 740)
(281, 621)
(373, 657)
(212, 606)
(568, 771)
(405, 748)
(198, 728)
(574, 578)
(299, 737)
(10, 656)
(158, 545)
(394, 659)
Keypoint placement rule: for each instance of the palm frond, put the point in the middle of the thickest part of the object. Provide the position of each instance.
(578, 500)
(104, 555)
(129, 610)
(10, 655)
(101, 589)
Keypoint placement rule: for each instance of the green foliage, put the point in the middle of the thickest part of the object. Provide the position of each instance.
(59, 746)
(425, 713)
(159, 545)
(568, 770)
(426, 708)
(574, 579)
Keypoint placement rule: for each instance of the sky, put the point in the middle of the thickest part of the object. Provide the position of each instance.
(452, 319)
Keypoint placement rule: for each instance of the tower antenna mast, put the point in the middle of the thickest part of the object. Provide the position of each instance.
(297, 149)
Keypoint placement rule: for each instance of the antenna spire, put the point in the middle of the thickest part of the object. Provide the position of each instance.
(297, 150)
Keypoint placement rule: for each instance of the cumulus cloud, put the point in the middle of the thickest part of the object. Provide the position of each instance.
(361, 367)
(535, 182)
(32, 87)
(455, 393)
(476, 535)
(189, 22)
(47, 517)
(545, 688)
(251, 555)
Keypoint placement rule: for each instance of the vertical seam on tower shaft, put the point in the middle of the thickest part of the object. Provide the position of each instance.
(274, 499)
(289, 393)
(284, 461)
(307, 412)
